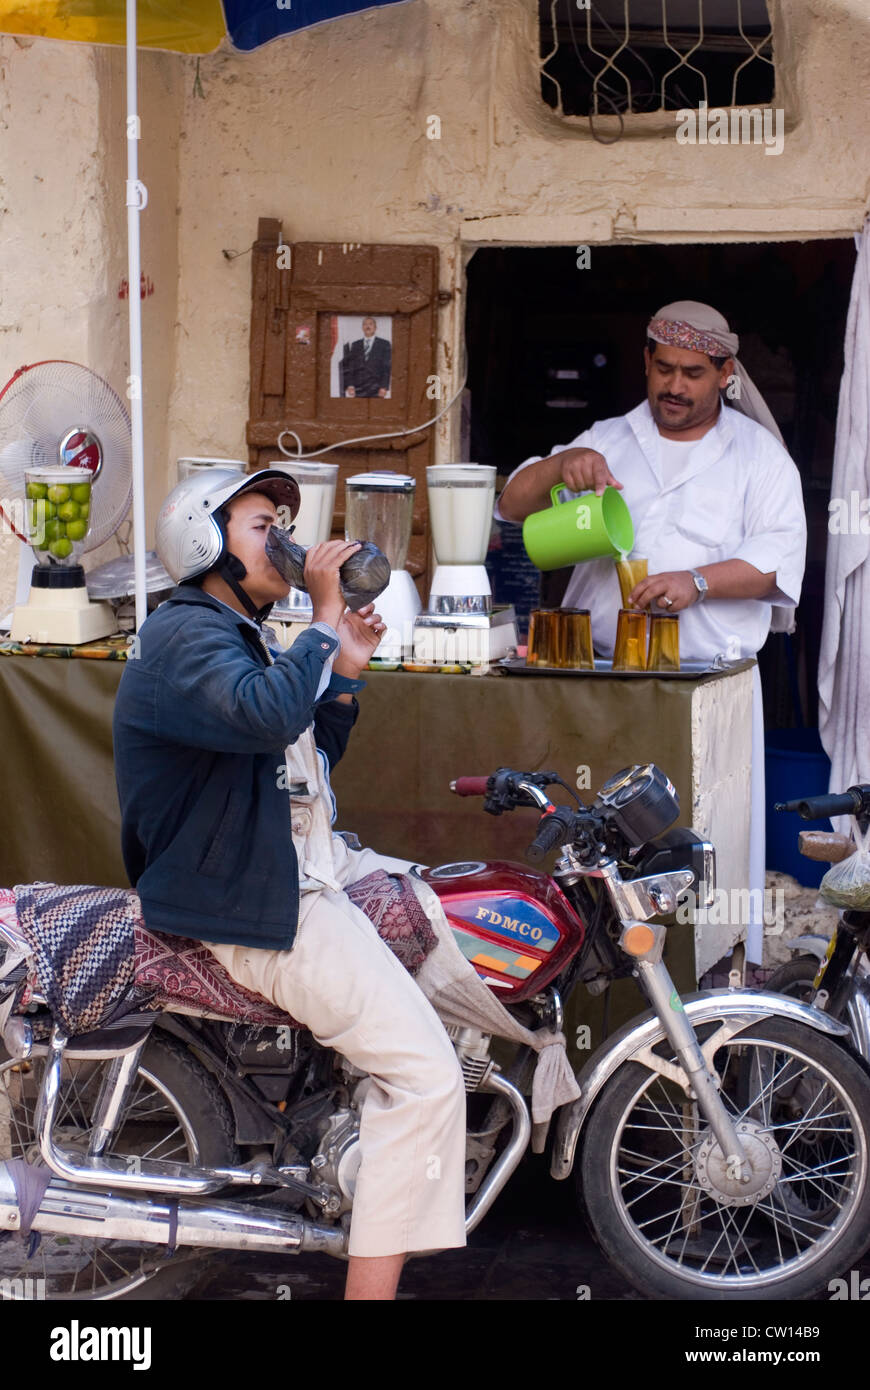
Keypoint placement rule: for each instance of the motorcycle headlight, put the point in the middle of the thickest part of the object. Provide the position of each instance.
(682, 848)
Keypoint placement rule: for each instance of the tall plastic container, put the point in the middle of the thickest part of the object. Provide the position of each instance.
(795, 765)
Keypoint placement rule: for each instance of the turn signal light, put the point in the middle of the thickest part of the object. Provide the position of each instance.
(638, 940)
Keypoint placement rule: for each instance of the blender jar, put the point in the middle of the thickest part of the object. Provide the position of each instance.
(313, 522)
(461, 501)
(58, 513)
(379, 507)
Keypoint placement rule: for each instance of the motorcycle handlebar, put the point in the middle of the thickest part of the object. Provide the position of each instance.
(552, 831)
(469, 786)
(848, 803)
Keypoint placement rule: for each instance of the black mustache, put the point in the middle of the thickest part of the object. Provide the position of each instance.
(675, 400)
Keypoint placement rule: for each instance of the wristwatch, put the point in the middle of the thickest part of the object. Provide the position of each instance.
(700, 584)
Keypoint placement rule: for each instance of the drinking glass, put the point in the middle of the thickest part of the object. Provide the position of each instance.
(543, 641)
(664, 642)
(575, 639)
(629, 573)
(629, 653)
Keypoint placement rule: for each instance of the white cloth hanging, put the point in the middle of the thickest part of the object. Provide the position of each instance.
(844, 658)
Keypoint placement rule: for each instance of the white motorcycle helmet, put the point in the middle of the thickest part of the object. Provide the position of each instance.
(190, 536)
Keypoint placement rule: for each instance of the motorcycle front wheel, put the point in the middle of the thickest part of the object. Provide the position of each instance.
(655, 1198)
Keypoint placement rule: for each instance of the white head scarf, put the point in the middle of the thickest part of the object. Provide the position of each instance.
(700, 328)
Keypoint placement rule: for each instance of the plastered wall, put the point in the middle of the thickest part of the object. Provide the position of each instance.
(63, 228)
(328, 130)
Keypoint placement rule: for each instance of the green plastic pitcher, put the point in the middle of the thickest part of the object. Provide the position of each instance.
(587, 528)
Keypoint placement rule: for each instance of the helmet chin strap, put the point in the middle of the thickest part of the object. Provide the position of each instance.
(231, 570)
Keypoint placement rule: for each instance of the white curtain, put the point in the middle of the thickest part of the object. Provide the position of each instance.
(844, 661)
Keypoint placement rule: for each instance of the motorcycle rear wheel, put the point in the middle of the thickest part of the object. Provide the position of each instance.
(665, 1231)
(175, 1111)
(796, 979)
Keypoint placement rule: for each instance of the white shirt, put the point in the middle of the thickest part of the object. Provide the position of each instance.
(737, 496)
(676, 455)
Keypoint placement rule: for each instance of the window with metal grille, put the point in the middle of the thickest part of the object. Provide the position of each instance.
(621, 57)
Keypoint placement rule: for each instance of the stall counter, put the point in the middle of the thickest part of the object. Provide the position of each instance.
(416, 732)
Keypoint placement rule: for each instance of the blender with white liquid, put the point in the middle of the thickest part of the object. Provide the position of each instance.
(461, 624)
(379, 507)
(311, 525)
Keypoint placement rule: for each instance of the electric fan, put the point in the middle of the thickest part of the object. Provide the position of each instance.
(65, 464)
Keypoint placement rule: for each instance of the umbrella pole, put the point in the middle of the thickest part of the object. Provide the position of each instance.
(137, 198)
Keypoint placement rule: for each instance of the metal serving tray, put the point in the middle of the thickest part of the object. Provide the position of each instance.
(689, 670)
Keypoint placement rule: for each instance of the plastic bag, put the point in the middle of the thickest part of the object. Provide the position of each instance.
(847, 884)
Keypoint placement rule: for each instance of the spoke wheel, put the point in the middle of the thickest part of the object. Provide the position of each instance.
(657, 1191)
(795, 978)
(175, 1111)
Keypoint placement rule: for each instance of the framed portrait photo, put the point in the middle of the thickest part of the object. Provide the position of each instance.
(361, 362)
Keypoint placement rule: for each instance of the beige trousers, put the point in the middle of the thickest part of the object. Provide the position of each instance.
(344, 983)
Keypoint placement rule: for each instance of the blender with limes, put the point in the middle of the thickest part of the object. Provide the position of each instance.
(57, 510)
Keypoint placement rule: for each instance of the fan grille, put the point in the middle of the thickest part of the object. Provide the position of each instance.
(38, 408)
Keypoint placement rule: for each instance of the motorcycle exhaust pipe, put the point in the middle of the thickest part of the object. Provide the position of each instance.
(71, 1211)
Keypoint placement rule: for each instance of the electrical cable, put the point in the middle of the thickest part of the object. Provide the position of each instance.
(299, 457)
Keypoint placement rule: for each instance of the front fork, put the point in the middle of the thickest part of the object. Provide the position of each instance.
(644, 942)
(656, 982)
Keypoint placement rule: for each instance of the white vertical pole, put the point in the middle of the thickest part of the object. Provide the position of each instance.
(137, 198)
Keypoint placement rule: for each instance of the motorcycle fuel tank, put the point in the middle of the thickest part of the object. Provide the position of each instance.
(516, 927)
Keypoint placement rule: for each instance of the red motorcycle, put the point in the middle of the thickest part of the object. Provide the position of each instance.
(719, 1144)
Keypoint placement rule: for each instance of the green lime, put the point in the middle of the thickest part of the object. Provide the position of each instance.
(50, 508)
(42, 546)
(60, 549)
(81, 492)
(76, 530)
(84, 510)
(35, 490)
(54, 530)
(58, 492)
(68, 511)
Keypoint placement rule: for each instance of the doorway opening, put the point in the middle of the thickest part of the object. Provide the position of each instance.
(553, 347)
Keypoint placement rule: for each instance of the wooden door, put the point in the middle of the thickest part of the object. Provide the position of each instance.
(319, 367)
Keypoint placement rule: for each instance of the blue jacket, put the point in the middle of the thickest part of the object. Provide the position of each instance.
(200, 726)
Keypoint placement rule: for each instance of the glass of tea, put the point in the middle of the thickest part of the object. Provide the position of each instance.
(664, 642)
(630, 572)
(629, 653)
(543, 640)
(575, 639)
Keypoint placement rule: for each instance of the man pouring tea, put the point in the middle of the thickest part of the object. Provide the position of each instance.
(716, 503)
